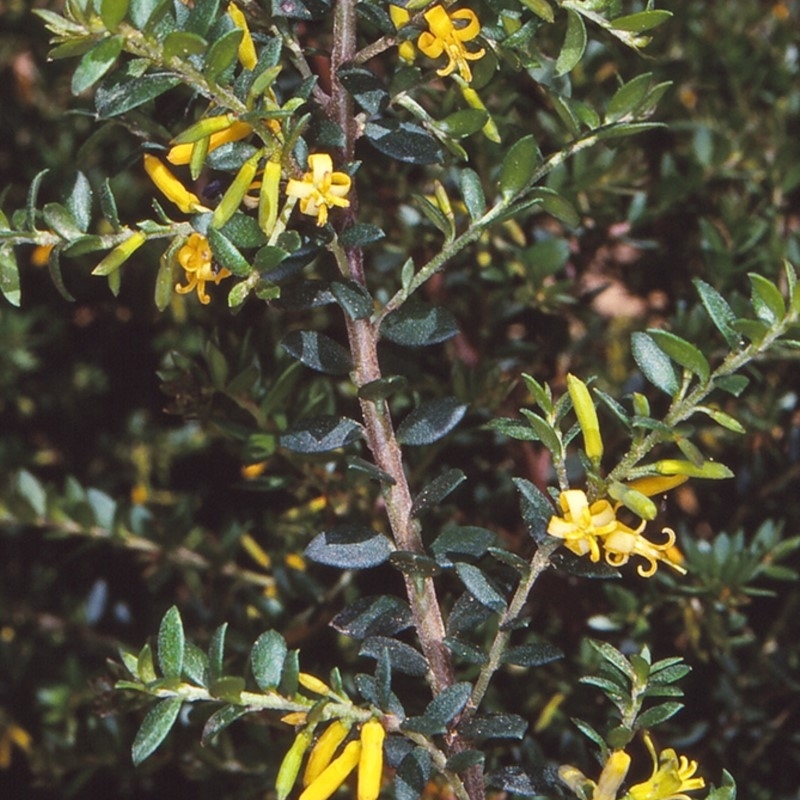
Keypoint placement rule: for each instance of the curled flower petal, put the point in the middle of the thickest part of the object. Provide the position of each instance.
(196, 259)
(445, 37)
(671, 778)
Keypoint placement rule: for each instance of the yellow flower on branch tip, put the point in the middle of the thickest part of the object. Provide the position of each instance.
(320, 189)
(671, 778)
(170, 186)
(181, 154)
(247, 50)
(196, 259)
(591, 528)
(400, 17)
(447, 35)
(12, 735)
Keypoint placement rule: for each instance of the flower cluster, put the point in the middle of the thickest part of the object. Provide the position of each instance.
(333, 757)
(671, 778)
(587, 528)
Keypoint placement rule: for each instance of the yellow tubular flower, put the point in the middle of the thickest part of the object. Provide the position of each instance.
(10, 735)
(623, 543)
(581, 524)
(323, 751)
(170, 186)
(334, 775)
(196, 259)
(614, 772)
(313, 684)
(321, 188)
(181, 154)
(401, 17)
(247, 50)
(370, 765)
(587, 418)
(657, 484)
(671, 778)
(448, 38)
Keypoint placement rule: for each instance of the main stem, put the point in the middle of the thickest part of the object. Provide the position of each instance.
(381, 439)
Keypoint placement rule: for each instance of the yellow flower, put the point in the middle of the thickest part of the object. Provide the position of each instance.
(247, 50)
(195, 258)
(12, 734)
(581, 524)
(321, 188)
(181, 154)
(448, 38)
(614, 771)
(170, 186)
(370, 765)
(671, 778)
(334, 775)
(400, 17)
(589, 528)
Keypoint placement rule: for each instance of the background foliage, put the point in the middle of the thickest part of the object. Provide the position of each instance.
(125, 431)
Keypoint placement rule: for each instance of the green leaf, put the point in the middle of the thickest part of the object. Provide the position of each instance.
(612, 656)
(463, 123)
(202, 15)
(171, 644)
(9, 276)
(430, 421)
(220, 720)
(519, 166)
(243, 231)
(320, 434)
(654, 363)
(79, 201)
(472, 192)
(416, 324)
(155, 727)
(266, 660)
(480, 587)
(349, 547)
(414, 564)
(412, 775)
(543, 429)
(403, 141)
(437, 490)
(183, 44)
(354, 298)
(444, 708)
(222, 54)
(513, 781)
(658, 714)
(96, 63)
(513, 428)
(361, 234)
(402, 657)
(682, 352)
(108, 205)
(532, 655)
(112, 12)
(227, 254)
(726, 420)
(216, 652)
(30, 202)
(536, 508)
(318, 352)
(384, 615)
(732, 384)
(382, 388)
(195, 664)
(125, 90)
(720, 312)
(643, 21)
(574, 44)
(464, 760)
(366, 87)
(61, 221)
(463, 651)
(556, 205)
(493, 726)
(590, 733)
(541, 8)
(768, 302)
(461, 543)
(145, 667)
(627, 98)
(143, 10)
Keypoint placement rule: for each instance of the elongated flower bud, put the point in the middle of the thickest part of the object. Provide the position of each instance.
(370, 765)
(268, 197)
(334, 775)
(169, 185)
(324, 750)
(247, 50)
(120, 254)
(232, 198)
(313, 684)
(290, 766)
(587, 418)
(709, 469)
